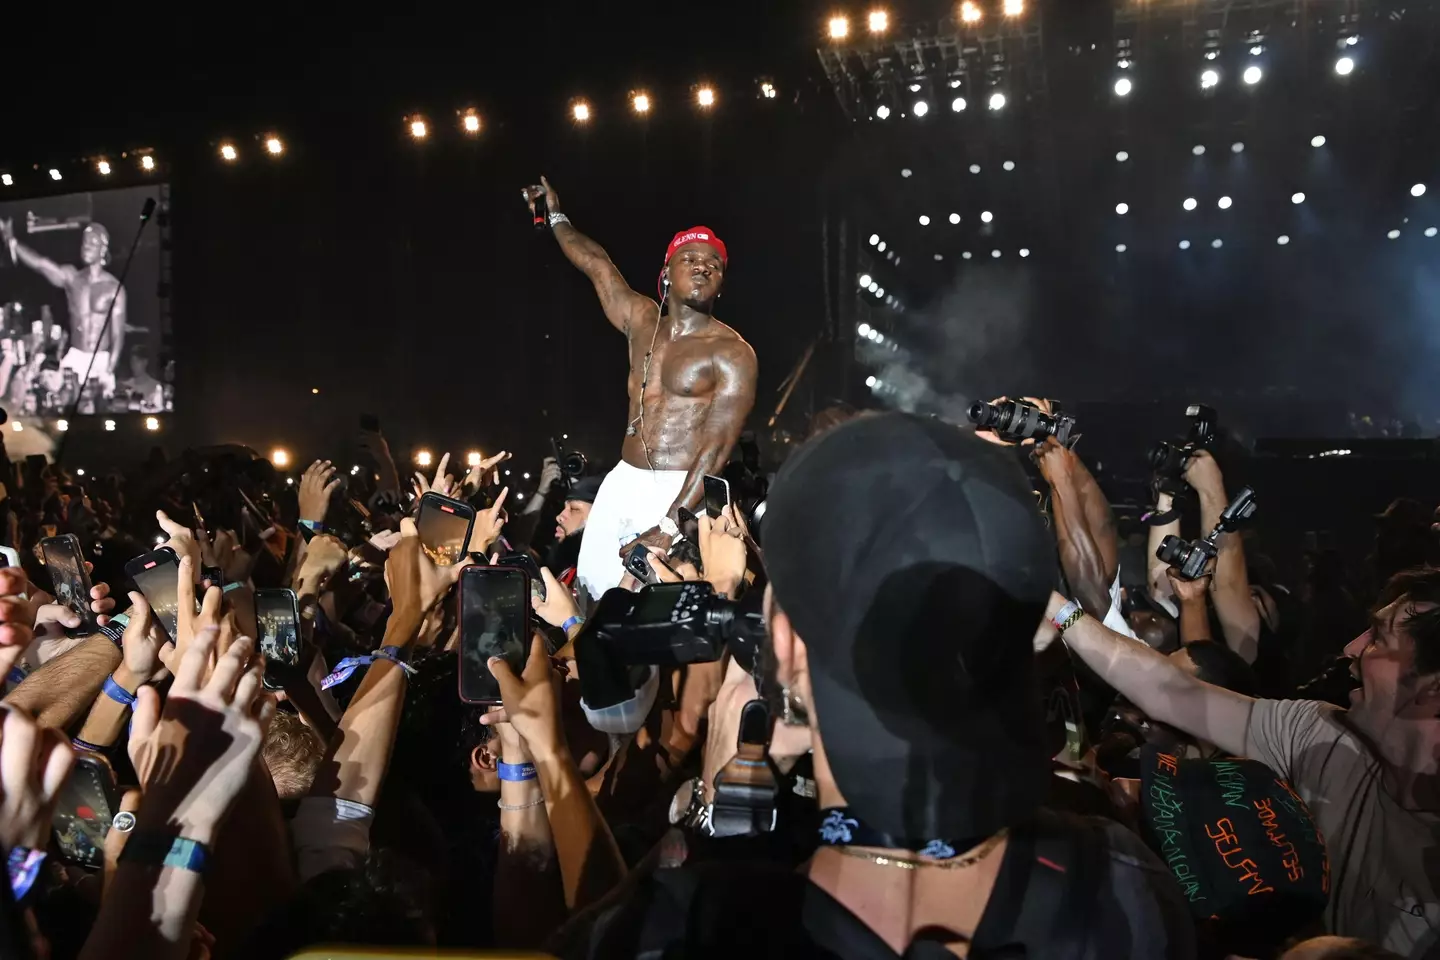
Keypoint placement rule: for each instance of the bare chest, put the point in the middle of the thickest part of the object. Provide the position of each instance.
(91, 296)
(679, 368)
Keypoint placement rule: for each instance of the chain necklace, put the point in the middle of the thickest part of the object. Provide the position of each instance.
(957, 863)
(644, 381)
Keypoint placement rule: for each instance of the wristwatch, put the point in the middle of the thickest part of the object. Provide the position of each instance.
(668, 527)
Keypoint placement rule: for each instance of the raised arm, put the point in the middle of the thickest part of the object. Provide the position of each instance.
(1086, 567)
(618, 300)
(58, 274)
(1155, 684)
(735, 372)
(1230, 588)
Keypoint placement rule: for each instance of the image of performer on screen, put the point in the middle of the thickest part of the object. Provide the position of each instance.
(89, 290)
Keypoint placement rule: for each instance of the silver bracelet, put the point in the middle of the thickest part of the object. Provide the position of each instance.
(558, 218)
(519, 806)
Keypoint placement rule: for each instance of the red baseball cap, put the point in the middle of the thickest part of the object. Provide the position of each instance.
(698, 235)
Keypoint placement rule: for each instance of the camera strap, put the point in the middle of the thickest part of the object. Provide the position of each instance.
(745, 791)
(839, 827)
(1153, 519)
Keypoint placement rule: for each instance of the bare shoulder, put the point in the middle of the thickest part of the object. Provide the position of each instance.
(642, 313)
(731, 346)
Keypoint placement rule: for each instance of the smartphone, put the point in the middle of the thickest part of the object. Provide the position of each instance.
(523, 561)
(85, 809)
(717, 496)
(688, 524)
(494, 622)
(637, 564)
(72, 584)
(277, 619)
(444, 527)
(156, 575)
(9, 557)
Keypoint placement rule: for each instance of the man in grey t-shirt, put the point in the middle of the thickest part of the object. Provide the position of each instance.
(1370, 775)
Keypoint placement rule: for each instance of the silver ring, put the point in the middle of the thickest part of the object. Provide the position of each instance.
(124, 821)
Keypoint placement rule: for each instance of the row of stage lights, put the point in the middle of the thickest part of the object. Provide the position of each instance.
(878, 19)
(152, 424)
(274, 146)
(1283, 240)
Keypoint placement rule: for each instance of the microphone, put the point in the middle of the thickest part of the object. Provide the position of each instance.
(542, 213)
(148, 209)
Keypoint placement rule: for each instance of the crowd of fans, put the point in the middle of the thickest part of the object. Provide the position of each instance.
(938, 721)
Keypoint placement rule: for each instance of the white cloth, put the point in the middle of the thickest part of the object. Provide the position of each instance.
(1114, 619)
(629, 502)
(329, 833)
(80, 361)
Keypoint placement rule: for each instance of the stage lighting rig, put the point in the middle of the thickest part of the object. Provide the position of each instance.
(580, 110)
(1013, 8)
(228, 152)
(147, 163)
(102, 167)
(767, 90)
(971, 13)
(705, 97)
(839, 28)
(878, 21)
(273, 146)
(470, 122)
(419, 129)
(7, 180)
(640, 102)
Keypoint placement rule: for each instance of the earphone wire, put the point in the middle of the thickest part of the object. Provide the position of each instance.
(645, 379)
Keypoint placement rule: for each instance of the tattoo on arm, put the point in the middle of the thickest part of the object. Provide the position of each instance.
(616, 297)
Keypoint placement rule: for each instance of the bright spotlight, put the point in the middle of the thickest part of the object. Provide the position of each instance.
(1120, 248)
(921, 108)
(54, 174)
(1190, 203)
(924, 220)
(1237, 147)
(872, 286)
(152, 424)
(874, 239)
(882, 111)
(1393, 235)
(1418, 190)
(954, 218)
(1024, 252)
(863, 330)
(1317, 141)
(423, 458)
(839, 28)
(1184, 244)
(1351, 40)
(880, 246)
(79, 471)
(879, 294)
(1282, 239)
(705, 96)
(1297, 197)
(1013, 8)
(1252, 74)
(228, 153)
(147, 162)
(997, 101)
(966, 255)
(1008, 165)
(986, 216)
(273, 146)
(974, 168)
(418, 129)
(103, 168)
(1122, 87)
(1198, 149)
(580, 110)
(870, 381)
(1344, 66)
(1209, 78)
(958, 104)
(767, 90)
(1256, 50)
(995, 254)
(1121, 157)
(471, 122)
(865, 279)
(1431, 231)
(280, 457)
(109, 426)
(1217, 243)
(472, 459)
(62, 425)
(878, 21)
(6, 179)
(640, 103)
(970, 12)
(1223, 203)
(1122, 208)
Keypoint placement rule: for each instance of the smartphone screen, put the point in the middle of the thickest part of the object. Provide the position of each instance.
(156, 575)
(277, 619)
(523, 561)
(444, 528)
(68, 576)
(494, 622)
(84, 811)
(717, 495)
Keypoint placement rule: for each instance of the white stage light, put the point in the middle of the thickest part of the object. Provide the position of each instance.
(1024, 252)
(966, 255)
(767, 90)
(958, 104)
(870, 381)
(640, 102)
(54, 174)
(974, 168)
(1256, 50)
(1184, 244)
(110, 428)
(1252, 75)
(1190, 203)
(880, 246)
(6, 179)
(1013, 8)
(1393, 235)
(1317, 141)
(705, 96)
(906, 172)
(924, 220)
(1344, 66)
(1209, 78)
(879, 294)
(1123, 87)
(1431, 231)
(839, 28)
(1120, 248)
(1223, 203)
(1237, 147)
(471, 122)
(424, 457)
(914, 88)
(152, 424)
(1418, 190)
(1008, 165)
(970, 12)
(1297, 197)
(882, 111)
(939, 257)
(1217, 243)
(227, 152)
(921, 108)
(878, 21)
(62, 425)
(872, 286)
(874, 239)
(995, 254)
(863, 330)
(954, 218)
(580, 111)
(103, 168)
(1282, 239)
(866, 279)
(273, 146)
(1351, 40)
(1198, 149)
(1212, 54)
(997, 101)
(986, 216)
(1122, 208)
(1122, 156)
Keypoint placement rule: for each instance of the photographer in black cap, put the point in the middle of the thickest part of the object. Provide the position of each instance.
(901, 639)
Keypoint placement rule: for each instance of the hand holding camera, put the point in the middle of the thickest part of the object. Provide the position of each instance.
(1008, 422)
(1191, 559)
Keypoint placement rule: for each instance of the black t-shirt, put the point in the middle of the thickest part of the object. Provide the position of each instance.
(1116, 902)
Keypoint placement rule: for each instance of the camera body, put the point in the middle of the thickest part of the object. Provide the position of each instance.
(1169, 460)
(668, 624)
(1017, 420)
(573, 464)
(1190, 558)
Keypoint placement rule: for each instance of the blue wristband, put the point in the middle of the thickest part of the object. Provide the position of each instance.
(118, 693)
(565, 627)
(161, 850)
(314, 525)
(515, 772)
(79, 744)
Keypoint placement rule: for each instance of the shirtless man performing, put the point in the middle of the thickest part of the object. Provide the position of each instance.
(88, 291)
(691, 386)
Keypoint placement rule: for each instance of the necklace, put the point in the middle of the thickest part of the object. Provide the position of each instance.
(644, 382)
(957, 863)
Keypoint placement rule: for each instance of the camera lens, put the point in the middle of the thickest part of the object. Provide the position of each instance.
(1159, 455)
(1173, 551)
(982, 414)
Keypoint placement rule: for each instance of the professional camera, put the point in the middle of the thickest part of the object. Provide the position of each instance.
(674, 623)
(573, 463)
(1017, 420)
(1169, 460)
(1190, 558)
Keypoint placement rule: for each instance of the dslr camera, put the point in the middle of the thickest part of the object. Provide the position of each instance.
(1190, 558)
(1169, 460)
(668, 624)
(1017, 420)
(573, 464)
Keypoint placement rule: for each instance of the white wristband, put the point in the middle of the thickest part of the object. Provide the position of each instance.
(1065, 614)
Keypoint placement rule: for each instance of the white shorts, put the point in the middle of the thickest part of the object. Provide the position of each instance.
(629, 502)
(80, 361)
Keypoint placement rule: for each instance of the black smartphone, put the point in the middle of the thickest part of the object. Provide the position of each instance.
(717, 496)
(72, 584)
(523, 561)
(85, 809)
(444, 527)
(689, 525)
(494, 622)
(156, 575)
(277, 620)
(637, 564)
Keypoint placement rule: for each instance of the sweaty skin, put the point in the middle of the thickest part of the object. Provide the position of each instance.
(688, 409)
(89, 289)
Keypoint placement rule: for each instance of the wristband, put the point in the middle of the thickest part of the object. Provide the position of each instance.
(557, 218)
(79, 744)
(1066, 617)
(16, 675)
(515, 772)
(159, 849)
(349, 665)
(519, 806)
(668, 527)
(232, 585)
(24, 866)
(118, 693)
(570, 622)
(314, 526)
(115, 629)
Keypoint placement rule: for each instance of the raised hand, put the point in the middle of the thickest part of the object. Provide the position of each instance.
(722, 551)
(142, 641)
(182, 541)
(488, 524)
(187, 621)
(533, 193)
(443, 484)
(550, 475)
(325, 556)
(558, 605)
(532, 700)
(17, 617)
(317, 483)
(475, 479)
(416, 583)
(34, 763)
